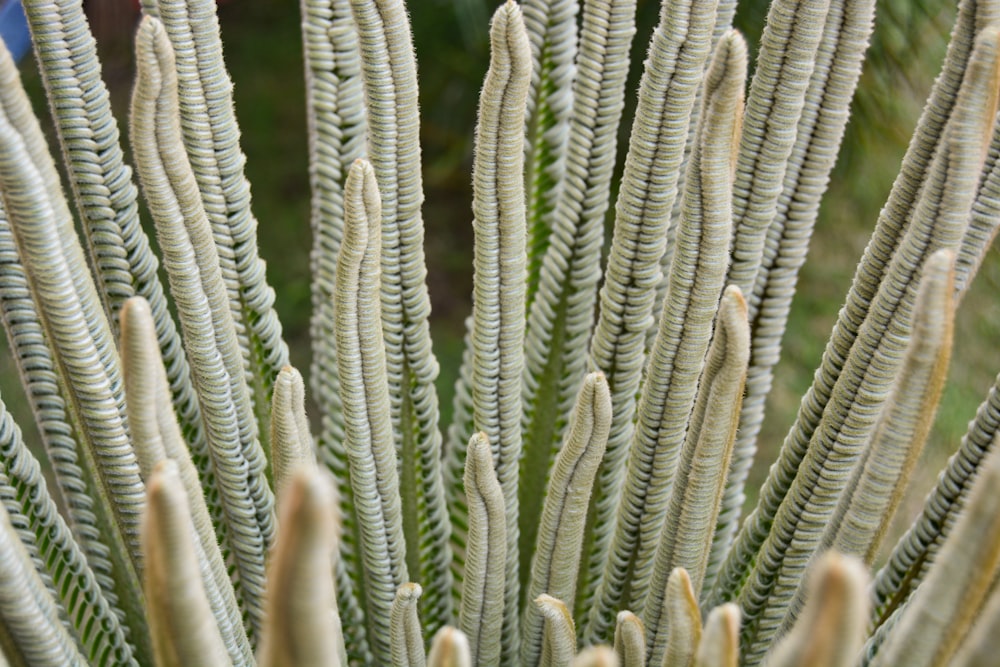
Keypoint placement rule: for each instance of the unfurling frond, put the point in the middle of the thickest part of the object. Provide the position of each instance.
(365, 393)
(605, 483)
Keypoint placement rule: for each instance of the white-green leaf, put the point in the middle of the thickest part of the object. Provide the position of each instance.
(555, 565)
(210, 338)
(303, 627)
(367, 420)
(678, 52)
(180, 617)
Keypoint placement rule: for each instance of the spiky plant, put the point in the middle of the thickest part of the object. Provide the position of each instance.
(595, 465)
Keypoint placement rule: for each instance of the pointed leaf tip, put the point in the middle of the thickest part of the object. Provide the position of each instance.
(630, 640)
(720, 642)
(303, 627)
(831, 629)
(180, 618)
(450, 648)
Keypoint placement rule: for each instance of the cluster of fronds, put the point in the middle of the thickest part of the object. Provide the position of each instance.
(595, 466)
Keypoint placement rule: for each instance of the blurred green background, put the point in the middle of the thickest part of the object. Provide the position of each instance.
(263, 50)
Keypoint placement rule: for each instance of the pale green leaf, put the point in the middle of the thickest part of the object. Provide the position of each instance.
(59, 561)
(404, 628)
(481, 613)
(180, 618)
(390, 83)
(788, 54)
(679, 50)
(365, 393)
(192, 263)
(875, 489)
(303, 627)
(74, 473)
(555, 566)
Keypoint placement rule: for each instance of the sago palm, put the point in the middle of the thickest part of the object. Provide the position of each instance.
(583, 507)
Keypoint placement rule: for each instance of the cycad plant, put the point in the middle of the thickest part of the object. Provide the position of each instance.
(587, 493)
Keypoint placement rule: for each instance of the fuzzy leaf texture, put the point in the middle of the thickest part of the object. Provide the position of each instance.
(584, 509)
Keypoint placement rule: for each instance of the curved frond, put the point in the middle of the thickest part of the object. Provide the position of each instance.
(211, 139)
(31, 628)
(156, 437)
(291, 443)
(93, 614)
(82, 345)
(192, 263)
(873, 493)
(869, 367)
(699, 482)
(555, 565)
(820, 129)
(552, 32)
(943, 608)
(74, 472)
(404, 628)
(561, 314)
(917, 549)
(106, 197)
(788, 54)
(390, 82)
(365, 392)
(337, 133)
(678, 52)
(498, 282)
(678, 355)
(481, 613)
(894, 220)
